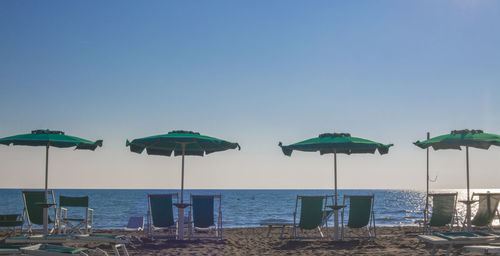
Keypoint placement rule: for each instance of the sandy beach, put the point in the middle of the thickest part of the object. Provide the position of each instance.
(253, 241)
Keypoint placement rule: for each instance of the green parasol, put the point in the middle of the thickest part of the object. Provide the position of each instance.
(181, 143)
(455, 140)
(48, 139)
(341, 143)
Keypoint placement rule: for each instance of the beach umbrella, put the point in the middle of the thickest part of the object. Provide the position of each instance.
(181, 143)
(336, 143)
(48, 139)
(458, 139)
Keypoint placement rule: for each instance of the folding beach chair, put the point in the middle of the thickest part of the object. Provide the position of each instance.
(12, 221)
(161, 214)
(57, 250)
(33, 212)
(76, 224)
(202, 217)
(487, 210)
(361, 215)
(135, 223)
(312, 211)
(444, 211)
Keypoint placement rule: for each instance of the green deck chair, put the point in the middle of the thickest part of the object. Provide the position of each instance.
(487, 210)
(33, 213)
(444, 211)
(12, 221)
(202, 217)
(312, 211)
(161, 215)
(79, 224)
(361, 215)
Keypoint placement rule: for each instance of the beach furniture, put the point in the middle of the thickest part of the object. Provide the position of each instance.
(487, 210)
(361, 215)
(202, 217)
(116, 242)
(444, 211)
(312, 210)
(276, 223)
(79, 224)
(57, 250)
(450, 239)
(161, 215)
(135, 223)
(488, 249)
(11, 221)
(34, 204)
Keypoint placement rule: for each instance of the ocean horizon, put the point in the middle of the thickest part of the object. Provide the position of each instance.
(240, 207)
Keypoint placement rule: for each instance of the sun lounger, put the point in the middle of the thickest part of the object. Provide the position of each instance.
(487, 210)
(451, 239)
(79, 224)
(312, 211)
(161, 215)
(115, 241)
(33, 212)
(57, 250)
(361, 215)
(135, 223)
(202, 217)
(489, 249)
(12, 221)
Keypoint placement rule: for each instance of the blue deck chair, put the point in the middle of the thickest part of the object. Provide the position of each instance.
(360, 215)
(202, 217)
(161, 215)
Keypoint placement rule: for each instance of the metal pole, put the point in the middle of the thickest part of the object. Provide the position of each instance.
(182, 179)
(335, 209)
(427, 191)
(468, 190)
(45, 209)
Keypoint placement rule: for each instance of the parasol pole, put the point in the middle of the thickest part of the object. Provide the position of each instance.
(335, 209)
(427, 191)
(46, 194)
(468, 190)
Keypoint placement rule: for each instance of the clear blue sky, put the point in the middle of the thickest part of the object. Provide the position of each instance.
(255, 72)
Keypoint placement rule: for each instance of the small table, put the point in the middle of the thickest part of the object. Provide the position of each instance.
(180, 219)
(45, 205)
(276, 223)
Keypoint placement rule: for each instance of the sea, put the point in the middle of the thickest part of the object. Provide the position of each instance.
(240, 208)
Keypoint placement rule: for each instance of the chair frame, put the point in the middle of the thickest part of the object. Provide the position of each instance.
(150, 225)
(295, 224)
(496, 214)
(218, 225)
(371, 222)
(87, 223)
(26, 216)
(454, 220)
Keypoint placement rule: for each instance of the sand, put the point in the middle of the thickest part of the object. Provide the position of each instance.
(253, 241)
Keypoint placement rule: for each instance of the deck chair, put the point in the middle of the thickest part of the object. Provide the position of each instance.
(33, 213)
(161, 215)
(79, 224)
(444, 211)
(202, 217)
(361, 215)
(312, 211)
(57, 250)
(11, 221)
(487, 210)
(135, 223)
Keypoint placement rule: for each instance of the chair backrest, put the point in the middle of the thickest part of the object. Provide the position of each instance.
(203, 210)
(443, 209)
(311, 211)
(35, 211)
(488, 206)
(360, 210)
(71, 201)
(160, 206)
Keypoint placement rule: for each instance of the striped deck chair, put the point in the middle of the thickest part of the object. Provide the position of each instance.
(487, 210)
(361, 215)
(312, 211)
(161, 215)
(444, 211)
(202, 217)
(33, 213)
